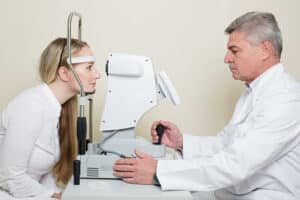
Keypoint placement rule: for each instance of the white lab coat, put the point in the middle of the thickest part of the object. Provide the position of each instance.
(29, 145)
(256, 156)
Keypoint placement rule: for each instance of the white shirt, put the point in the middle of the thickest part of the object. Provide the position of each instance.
(29, 145)
(256, 156)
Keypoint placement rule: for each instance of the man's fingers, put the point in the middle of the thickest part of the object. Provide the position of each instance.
(141, 155)
(129, 180)
(154, 125)
(123, 168)
(154, 139)
(153, 134)
(124, 174)
(126, 161)
(166, 124)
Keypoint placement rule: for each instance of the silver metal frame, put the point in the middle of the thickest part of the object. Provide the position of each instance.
(82, 93)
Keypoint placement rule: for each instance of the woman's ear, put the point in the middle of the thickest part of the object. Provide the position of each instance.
(63, 73)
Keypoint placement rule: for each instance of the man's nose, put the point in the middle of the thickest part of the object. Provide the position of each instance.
(228, 57)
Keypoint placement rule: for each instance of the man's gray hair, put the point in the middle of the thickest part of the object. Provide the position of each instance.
(258, 27)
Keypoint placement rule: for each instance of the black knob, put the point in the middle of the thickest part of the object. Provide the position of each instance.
(81, 135)
(160, 131)
(76, 172)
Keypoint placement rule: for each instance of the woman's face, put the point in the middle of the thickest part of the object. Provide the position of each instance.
(86, 71)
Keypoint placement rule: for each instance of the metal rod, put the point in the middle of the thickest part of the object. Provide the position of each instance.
(91, 119)
(69, 37)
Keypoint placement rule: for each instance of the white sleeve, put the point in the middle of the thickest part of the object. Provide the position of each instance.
(273, 131)
(25, 119)
(197, 146)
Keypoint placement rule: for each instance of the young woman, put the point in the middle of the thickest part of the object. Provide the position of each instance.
(37, 128)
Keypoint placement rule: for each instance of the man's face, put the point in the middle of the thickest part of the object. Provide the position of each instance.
(244, 59)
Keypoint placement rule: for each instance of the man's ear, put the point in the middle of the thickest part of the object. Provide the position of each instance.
(63, 73)
(266, 49)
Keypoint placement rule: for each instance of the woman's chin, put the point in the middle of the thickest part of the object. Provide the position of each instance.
(90, 91)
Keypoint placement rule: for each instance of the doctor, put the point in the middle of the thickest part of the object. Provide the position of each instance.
(37, 128)
(257, 154)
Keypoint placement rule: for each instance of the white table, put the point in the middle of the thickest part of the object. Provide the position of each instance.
(92, 189)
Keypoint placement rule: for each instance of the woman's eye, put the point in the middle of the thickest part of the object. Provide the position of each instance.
(89, 67)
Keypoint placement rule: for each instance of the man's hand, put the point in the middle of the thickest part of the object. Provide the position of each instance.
(138, 170)
(171, 138)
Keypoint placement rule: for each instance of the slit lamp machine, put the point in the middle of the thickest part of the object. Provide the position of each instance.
(133, 88)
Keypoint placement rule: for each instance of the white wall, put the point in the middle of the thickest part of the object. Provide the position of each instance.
(183, 37)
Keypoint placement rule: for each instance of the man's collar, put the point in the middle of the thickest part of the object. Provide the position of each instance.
(264, 76)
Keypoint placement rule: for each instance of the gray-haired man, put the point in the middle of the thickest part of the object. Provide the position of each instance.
(257, 154)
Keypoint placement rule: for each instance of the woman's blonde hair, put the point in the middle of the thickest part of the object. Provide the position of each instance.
(54, 56)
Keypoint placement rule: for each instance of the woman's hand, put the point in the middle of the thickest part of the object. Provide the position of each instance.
(56, 196)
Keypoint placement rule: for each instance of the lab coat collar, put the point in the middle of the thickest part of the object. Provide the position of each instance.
(261, 82)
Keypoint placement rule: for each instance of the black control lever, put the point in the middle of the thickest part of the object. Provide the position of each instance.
(76, 172)
(81, 135)
(160, 131)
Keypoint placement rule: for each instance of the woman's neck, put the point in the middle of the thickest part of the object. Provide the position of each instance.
(61, 91)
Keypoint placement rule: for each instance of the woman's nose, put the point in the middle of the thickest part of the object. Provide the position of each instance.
(97, 74)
